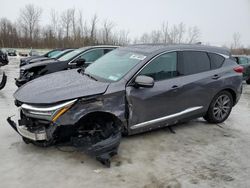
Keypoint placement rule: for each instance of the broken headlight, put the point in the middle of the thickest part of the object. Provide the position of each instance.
(50, 113)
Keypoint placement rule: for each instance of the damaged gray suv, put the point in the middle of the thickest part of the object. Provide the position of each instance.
(128, 91)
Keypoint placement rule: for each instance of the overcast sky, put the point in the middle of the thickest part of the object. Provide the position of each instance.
(216, 19)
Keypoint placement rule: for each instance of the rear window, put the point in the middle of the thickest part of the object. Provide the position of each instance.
(192, 62)
(216, 60)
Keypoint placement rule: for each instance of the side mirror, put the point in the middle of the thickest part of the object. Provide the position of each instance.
(80, 62)
(144, 81)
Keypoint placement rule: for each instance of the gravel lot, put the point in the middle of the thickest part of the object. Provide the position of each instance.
(198, 155)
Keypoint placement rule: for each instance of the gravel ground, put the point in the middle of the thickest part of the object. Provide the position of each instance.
(198, 155)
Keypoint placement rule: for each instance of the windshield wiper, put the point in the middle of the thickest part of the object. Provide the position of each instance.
(93, 78)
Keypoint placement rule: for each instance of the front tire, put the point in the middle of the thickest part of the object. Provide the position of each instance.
(220, 108)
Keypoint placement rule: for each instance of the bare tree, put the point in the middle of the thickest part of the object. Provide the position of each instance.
(165, 32)
(66, 22)
(181, 31)
(236, 41)
(93, 29)
(193, 35)
(107, 31)
(29, 19)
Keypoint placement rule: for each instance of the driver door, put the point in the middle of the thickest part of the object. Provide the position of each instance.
(148, 106)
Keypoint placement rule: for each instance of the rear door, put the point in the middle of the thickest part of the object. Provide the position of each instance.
(201, 79)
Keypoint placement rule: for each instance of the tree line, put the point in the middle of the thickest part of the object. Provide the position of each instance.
(69, 29)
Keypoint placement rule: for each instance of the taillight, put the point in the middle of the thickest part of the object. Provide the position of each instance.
(239, 69)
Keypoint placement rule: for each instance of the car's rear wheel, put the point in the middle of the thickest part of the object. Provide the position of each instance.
(220, 108)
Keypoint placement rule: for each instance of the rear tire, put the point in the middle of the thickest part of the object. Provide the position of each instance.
(220, 108)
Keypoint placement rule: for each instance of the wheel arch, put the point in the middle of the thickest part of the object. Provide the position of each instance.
(232, 92)
(102, 114)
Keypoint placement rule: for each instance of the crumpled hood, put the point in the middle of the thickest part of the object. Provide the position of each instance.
(58, 87)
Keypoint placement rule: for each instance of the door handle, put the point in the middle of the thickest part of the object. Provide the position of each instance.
(216, 77)
(175, 87)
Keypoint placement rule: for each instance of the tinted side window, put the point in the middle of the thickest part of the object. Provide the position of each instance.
(163, 67)
(92, 55)
(192, 62)
(216, 60)
(107, 50)
(243, 60)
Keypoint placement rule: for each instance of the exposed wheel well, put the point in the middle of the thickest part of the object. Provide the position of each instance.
(104, 115)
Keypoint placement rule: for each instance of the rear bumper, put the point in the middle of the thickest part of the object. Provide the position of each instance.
(37, 135)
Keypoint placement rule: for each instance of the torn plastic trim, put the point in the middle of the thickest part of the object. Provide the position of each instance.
(102, 150)
(24, 132)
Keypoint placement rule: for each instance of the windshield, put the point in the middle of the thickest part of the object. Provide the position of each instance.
(113, 66)
(70, 55)
(53, 54)
(57, 55)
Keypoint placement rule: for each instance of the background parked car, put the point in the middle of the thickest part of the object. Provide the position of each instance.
(75, 59)
(3, 57)
(23, 54)
(244, 61)
(53, 56)
(25, 61)
(12, 52)
(34, 53)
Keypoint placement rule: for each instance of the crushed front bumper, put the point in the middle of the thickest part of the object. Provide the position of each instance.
(37, 135)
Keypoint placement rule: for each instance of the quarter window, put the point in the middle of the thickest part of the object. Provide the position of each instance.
(192, 62)
(163, 67)
(216, 60)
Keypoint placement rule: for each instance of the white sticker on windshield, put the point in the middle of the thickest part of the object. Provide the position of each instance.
(114, 78)
(138, 57)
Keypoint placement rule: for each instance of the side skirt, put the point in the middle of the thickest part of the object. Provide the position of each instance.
(162, 119)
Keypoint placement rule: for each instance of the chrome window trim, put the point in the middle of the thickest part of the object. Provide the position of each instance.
(146, 123)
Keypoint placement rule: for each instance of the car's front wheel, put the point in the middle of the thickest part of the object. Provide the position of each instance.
(220, 108)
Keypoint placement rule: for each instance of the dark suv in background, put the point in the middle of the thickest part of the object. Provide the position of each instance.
(244, 61)
(129, 90)
(52, 56)
(27, 60)
(74, 59)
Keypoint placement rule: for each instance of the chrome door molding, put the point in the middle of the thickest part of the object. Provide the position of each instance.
(144, 124)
